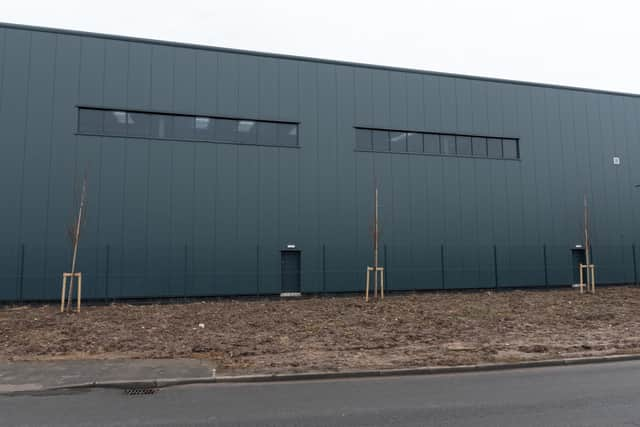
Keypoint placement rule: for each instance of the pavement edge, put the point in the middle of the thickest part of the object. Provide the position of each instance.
(306, 376)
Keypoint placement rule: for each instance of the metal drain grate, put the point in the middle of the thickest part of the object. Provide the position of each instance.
(140, 391)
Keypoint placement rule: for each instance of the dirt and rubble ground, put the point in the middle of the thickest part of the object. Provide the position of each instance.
(336, 333)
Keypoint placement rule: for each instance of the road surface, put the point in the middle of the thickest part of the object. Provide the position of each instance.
(586, 395)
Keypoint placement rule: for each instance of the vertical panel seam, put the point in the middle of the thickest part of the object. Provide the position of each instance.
(98, 180)
(409, 241)
(563, 170)
(442, 173)
(259, 153)
(476, 181)
(636, 125)
(4, 63)
(193, 172)
(237, 149)
(596, 215)
(427, 229)
(520, 168)
(170, 181)
(549, 190)
(299, 159)
(24, 140)
(2, 70)
(148, 181)
(355, 168)
(317, 101)
(576, 150)
(505, 168)
(216, 177)
(49, 180)
(389, 160)
(534, 167)
(338, 192)
(627, 175)
(153, 49)
(124, 180)
(458, 165)
(588, 135)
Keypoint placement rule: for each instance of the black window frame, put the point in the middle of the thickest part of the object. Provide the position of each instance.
(498, 144)
(166, 126)
(475, 142)
(398, 142)
(447, 144)
(516, 148)
(435, 139)
(225, 130)
(202, 133)
(383, 140)
(94, 116)
(160, 126)
(119, 118)
(363, 139)
(415, 138)
(284, 136)
(463, 146)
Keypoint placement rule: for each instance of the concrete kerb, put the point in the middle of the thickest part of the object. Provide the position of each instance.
(156, 383)
(113, 384)
(427, 370)
(308, 376)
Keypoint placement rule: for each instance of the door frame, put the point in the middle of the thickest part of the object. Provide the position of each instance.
(297, 250)
(577, 252)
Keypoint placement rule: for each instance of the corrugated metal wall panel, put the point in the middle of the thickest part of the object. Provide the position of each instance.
(170, 218)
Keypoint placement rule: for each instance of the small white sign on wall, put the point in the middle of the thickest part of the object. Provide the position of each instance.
(616, 160)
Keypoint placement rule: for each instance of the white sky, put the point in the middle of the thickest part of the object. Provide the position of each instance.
(584, 43)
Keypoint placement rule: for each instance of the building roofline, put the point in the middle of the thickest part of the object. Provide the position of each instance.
(306, 58)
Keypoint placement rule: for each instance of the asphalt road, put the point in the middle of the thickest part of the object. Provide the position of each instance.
(586, 395)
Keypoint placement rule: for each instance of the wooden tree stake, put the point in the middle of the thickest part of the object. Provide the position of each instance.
(376, 269)
(75, 238)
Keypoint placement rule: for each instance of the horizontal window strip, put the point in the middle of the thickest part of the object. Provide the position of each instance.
(180, 127)
(435, 143)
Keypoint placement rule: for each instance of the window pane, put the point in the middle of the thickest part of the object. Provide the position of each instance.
(267, 133)
(287, 134)
(398, 142)
(247, 132)
(363, 139)
(138, 124)
(463, 145)
(510, 148)
(90, 121)
(414, 142)
(183, 127)
(161, 126)
(479, 146)
(203, 128)
(380, 140)
(448, 144)
(494, 148)
(431, 143)
(226, 130)
(115, 123)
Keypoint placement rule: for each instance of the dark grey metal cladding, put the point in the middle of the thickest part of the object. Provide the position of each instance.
(173, 218)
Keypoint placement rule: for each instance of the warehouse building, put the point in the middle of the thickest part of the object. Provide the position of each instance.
(224, 172)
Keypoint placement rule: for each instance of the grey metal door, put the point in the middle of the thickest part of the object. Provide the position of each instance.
(290, 269)
(577, 257)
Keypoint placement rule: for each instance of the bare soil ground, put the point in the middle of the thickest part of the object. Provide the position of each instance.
(336, 333)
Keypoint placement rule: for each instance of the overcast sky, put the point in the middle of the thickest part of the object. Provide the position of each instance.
(584, 43)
